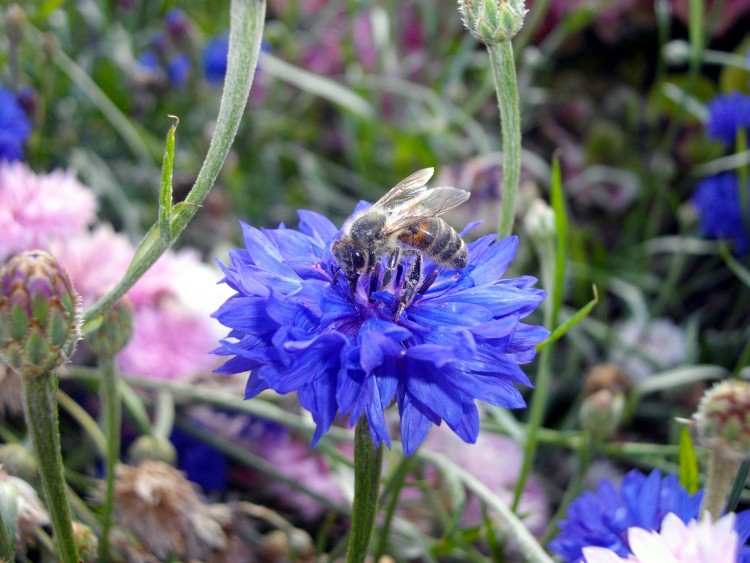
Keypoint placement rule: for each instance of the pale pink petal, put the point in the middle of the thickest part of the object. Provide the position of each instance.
(601, 555)
(34, 209)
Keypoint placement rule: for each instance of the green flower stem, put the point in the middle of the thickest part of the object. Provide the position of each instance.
(40, 409)
(368, 461)
(722, 470)
(396, 482)
(112, 408)
(504, 72)
(549, 267)
(245, 33)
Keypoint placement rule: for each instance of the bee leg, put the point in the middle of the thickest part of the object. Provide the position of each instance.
(392, 263)
(428, 281)
(410, 285)
(374, 276)
(353, 284)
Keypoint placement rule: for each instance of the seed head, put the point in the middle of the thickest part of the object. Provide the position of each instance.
(492, 21)
(39, 313)
(722, 420)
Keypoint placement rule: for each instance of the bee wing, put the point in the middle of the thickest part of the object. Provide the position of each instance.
(405, 190)
(426, 204)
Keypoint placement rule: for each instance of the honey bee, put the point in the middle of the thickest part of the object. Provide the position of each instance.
(404, 222)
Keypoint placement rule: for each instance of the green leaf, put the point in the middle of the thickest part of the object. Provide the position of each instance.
(563, 239)
(562, 330)
(165, 193)
(739, 270)
(688, 462)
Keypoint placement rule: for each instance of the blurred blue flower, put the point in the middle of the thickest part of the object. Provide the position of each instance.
(15, 126)
(215, 59)
(602, 518)
(178, 69)
(149, 61)
(726, 115)
(296, 326)
(202, 463)
(177, 23)
(717, 199)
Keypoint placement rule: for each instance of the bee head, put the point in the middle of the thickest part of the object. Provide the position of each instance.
(351, 258)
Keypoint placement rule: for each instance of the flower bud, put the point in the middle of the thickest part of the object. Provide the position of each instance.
(39, 313)
(722, 421)
(114, 333)
(18, 461)
(603, 407)
(539, 221)
(152, 448)
(601, 413)
(15, 22)
(86, 542)
(492, 21)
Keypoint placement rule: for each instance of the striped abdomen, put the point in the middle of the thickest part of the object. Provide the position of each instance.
(438, 240)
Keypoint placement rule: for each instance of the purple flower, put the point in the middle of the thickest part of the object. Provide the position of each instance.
(215, 59)
(296, 325)
(15, 127)
(602, 518)
(177, 23)
(717, 199)
(727, 115)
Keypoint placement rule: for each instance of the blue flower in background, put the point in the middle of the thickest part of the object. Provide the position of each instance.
(149, 61)
(297, 326)
(202, 463)
(177, 23)
(717, 199)
(727, 115)
(215, 59)
(178, 69)
(602, 518)
(15, 126)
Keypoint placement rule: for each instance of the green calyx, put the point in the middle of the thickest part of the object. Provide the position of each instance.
(39, 313)
(492, 21)
(722, 421)
(114, 333)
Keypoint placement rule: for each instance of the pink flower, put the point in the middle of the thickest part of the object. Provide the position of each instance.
(168, 342)
(495, 461)
(677, 542)
(95, 260)
(34, 209)
(295, 460)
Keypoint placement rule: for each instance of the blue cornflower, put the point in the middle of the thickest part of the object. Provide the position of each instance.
(296, 325)
(726, 115)
(717, 199)
(215, 59)
(15, 127)
(178, 69)
(202, 463)
(149, 61)
(602, 518)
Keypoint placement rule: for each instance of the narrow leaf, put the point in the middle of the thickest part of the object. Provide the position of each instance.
(561, 226)
(165, 193)
(562, 330)
(688, 462)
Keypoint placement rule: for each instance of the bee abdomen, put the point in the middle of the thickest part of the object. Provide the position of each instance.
(437, 240)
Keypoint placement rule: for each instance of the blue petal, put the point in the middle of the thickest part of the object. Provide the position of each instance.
(491, 265)
(414, 425)
(264, 254)
(468, 427)
(319, 228)
(254, 386)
